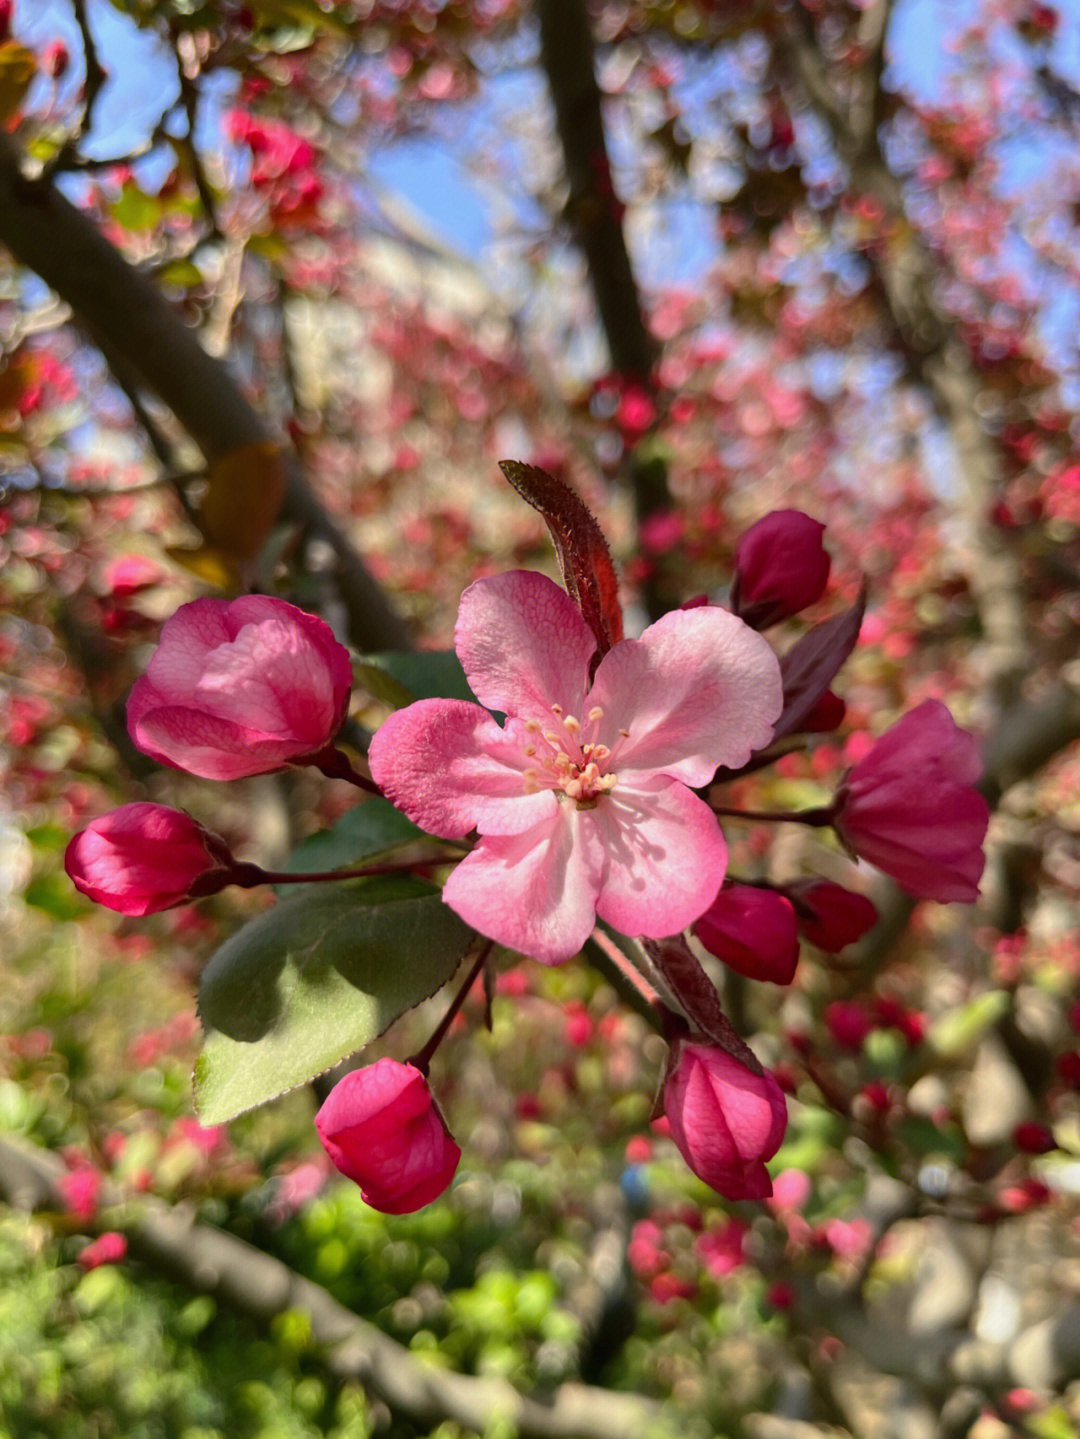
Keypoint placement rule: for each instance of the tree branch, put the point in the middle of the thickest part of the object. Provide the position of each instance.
(909, 280)
(595, 214)
(172, 1242)
(128, 315)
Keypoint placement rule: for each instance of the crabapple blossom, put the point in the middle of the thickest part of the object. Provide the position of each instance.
(583, 799)
(910, 806)
(725, 1119)
(781, 567)
(754, 931)
(240, 687)
(382, 1129)
(143, 858)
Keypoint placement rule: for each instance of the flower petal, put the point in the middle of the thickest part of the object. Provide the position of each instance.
(666, 858)
(698, 690)
(203, 744)
(450, 768)
(534, 892)
(524, 645)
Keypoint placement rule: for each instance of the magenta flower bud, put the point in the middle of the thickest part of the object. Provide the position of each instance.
(829, 915)
(725, 1119)
(240, 687)
(383, 1130)
(781, 567)
(143, 858)
(754, 931)
(910, 806)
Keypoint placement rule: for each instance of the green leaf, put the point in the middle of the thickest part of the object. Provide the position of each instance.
(134, 209)
(371, 828)
(961, 1029)
(182, 273)
(419, 675)
(312, 981)
(55, 894)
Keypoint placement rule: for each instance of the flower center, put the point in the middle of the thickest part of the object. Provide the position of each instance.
(566, 762)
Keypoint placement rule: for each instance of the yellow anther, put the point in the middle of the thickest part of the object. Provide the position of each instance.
(625, 733)
(599, 752)
(553, 740)
(532, 726)
(573, 788)
(556, 709)
(530, 750)
(571, 724)
(596, 713)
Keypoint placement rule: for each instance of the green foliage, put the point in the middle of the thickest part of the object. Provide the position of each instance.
(121, 1355)
(313, 980)
(400, 678)
(372, 828)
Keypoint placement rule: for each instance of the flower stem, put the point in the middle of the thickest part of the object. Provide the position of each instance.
(247, 876)
(817, 818)
(422, 1059)
(335, 764)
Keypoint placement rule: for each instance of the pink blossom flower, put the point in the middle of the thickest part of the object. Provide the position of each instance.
(143, 858)
(381, 1128)
(582, 800)
(240, 687)
(781, 567)
(754, 931)
(725, 1119)
(910, 806)
(829, 915)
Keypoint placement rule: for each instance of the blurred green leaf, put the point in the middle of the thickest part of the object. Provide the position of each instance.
(962, 1028)
(55, 894)
(312, 981)
(134, 209)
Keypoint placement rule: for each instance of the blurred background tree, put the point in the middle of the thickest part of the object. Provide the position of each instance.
(281, 282)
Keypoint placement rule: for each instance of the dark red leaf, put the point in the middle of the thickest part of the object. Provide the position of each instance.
(697, 995)
(811, 665)
(584, 558)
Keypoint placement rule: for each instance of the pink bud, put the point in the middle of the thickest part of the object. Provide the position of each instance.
(55, 59)
(129, 575)
(240, 687)
(108, 1248)
(1033, 1138)
(910, 806)
(848, 1022)
(725, 1119)
(781, 567)
(831, 916)
(382, 1129)
(754, 931)
(143, 858)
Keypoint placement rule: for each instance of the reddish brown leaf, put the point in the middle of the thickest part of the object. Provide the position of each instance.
(584, 558)
(697, 994)
(811, 665)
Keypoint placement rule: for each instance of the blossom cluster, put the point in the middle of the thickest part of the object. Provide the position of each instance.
(582, 785)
